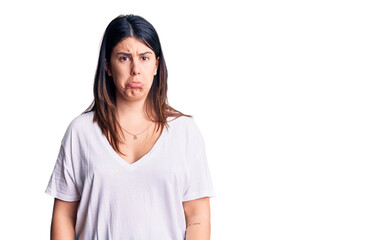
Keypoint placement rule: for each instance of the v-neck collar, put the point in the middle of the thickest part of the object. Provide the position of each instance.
(122, 161)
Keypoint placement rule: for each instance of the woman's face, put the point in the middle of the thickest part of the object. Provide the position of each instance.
(133, 66)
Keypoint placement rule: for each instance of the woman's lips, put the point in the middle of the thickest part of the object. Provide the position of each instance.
(135, 84)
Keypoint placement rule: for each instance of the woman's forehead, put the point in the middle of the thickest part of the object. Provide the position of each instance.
(131, 45)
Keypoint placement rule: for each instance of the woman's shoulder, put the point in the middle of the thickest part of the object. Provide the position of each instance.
(82, 121)
(181, 121)
(184, 125)
(81, 125)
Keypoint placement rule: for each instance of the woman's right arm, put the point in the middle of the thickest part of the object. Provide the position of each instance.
(63, 220)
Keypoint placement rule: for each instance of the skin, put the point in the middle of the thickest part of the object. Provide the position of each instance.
(132, 61)
(63, 220)
(197, 213)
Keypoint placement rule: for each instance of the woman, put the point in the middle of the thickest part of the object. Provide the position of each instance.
(131, 166)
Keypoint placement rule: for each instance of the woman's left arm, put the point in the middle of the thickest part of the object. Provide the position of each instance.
(197, 213)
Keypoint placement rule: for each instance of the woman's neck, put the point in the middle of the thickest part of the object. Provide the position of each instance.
(131, 114)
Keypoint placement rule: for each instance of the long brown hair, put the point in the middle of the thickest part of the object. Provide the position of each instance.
(156, 105)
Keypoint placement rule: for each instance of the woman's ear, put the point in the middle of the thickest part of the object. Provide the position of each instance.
(157, 65)
(108, 68)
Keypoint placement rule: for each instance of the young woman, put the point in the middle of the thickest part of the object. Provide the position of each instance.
(131, 166)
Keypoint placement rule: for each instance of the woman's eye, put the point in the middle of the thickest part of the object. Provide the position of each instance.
(124, 58)
(144, 58)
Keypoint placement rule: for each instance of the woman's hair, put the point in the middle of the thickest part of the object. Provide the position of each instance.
(156, 105)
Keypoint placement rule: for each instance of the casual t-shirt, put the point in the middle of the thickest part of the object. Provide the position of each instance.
(138, 201)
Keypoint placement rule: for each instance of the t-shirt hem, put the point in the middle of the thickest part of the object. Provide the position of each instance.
(194, 196)
(61, 196)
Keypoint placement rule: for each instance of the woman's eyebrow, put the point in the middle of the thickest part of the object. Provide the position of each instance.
(145, 53)
(124, 53)
(129, 54)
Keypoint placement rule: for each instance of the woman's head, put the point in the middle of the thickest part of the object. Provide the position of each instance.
(125, 40)
(132, 68)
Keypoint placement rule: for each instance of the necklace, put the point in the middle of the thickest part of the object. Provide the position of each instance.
(135, 135)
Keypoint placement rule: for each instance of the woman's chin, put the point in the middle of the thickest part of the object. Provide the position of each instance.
(135, 94)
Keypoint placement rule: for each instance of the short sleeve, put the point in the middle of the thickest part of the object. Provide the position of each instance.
(62, 183)
(200, 182)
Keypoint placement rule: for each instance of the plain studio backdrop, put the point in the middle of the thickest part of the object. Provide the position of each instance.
(292, 98)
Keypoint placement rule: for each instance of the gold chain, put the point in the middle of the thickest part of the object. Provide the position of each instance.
(135, 135)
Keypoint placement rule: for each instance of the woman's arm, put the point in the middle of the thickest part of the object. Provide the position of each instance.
(197, 214)
(63, 220)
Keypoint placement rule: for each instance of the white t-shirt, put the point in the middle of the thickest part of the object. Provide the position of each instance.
(138, 201)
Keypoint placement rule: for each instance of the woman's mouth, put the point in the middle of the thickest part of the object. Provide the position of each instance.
(135, 84)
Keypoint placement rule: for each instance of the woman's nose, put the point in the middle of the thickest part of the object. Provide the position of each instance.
(135, 70)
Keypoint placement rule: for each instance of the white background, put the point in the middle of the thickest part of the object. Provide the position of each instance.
(292, 97)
